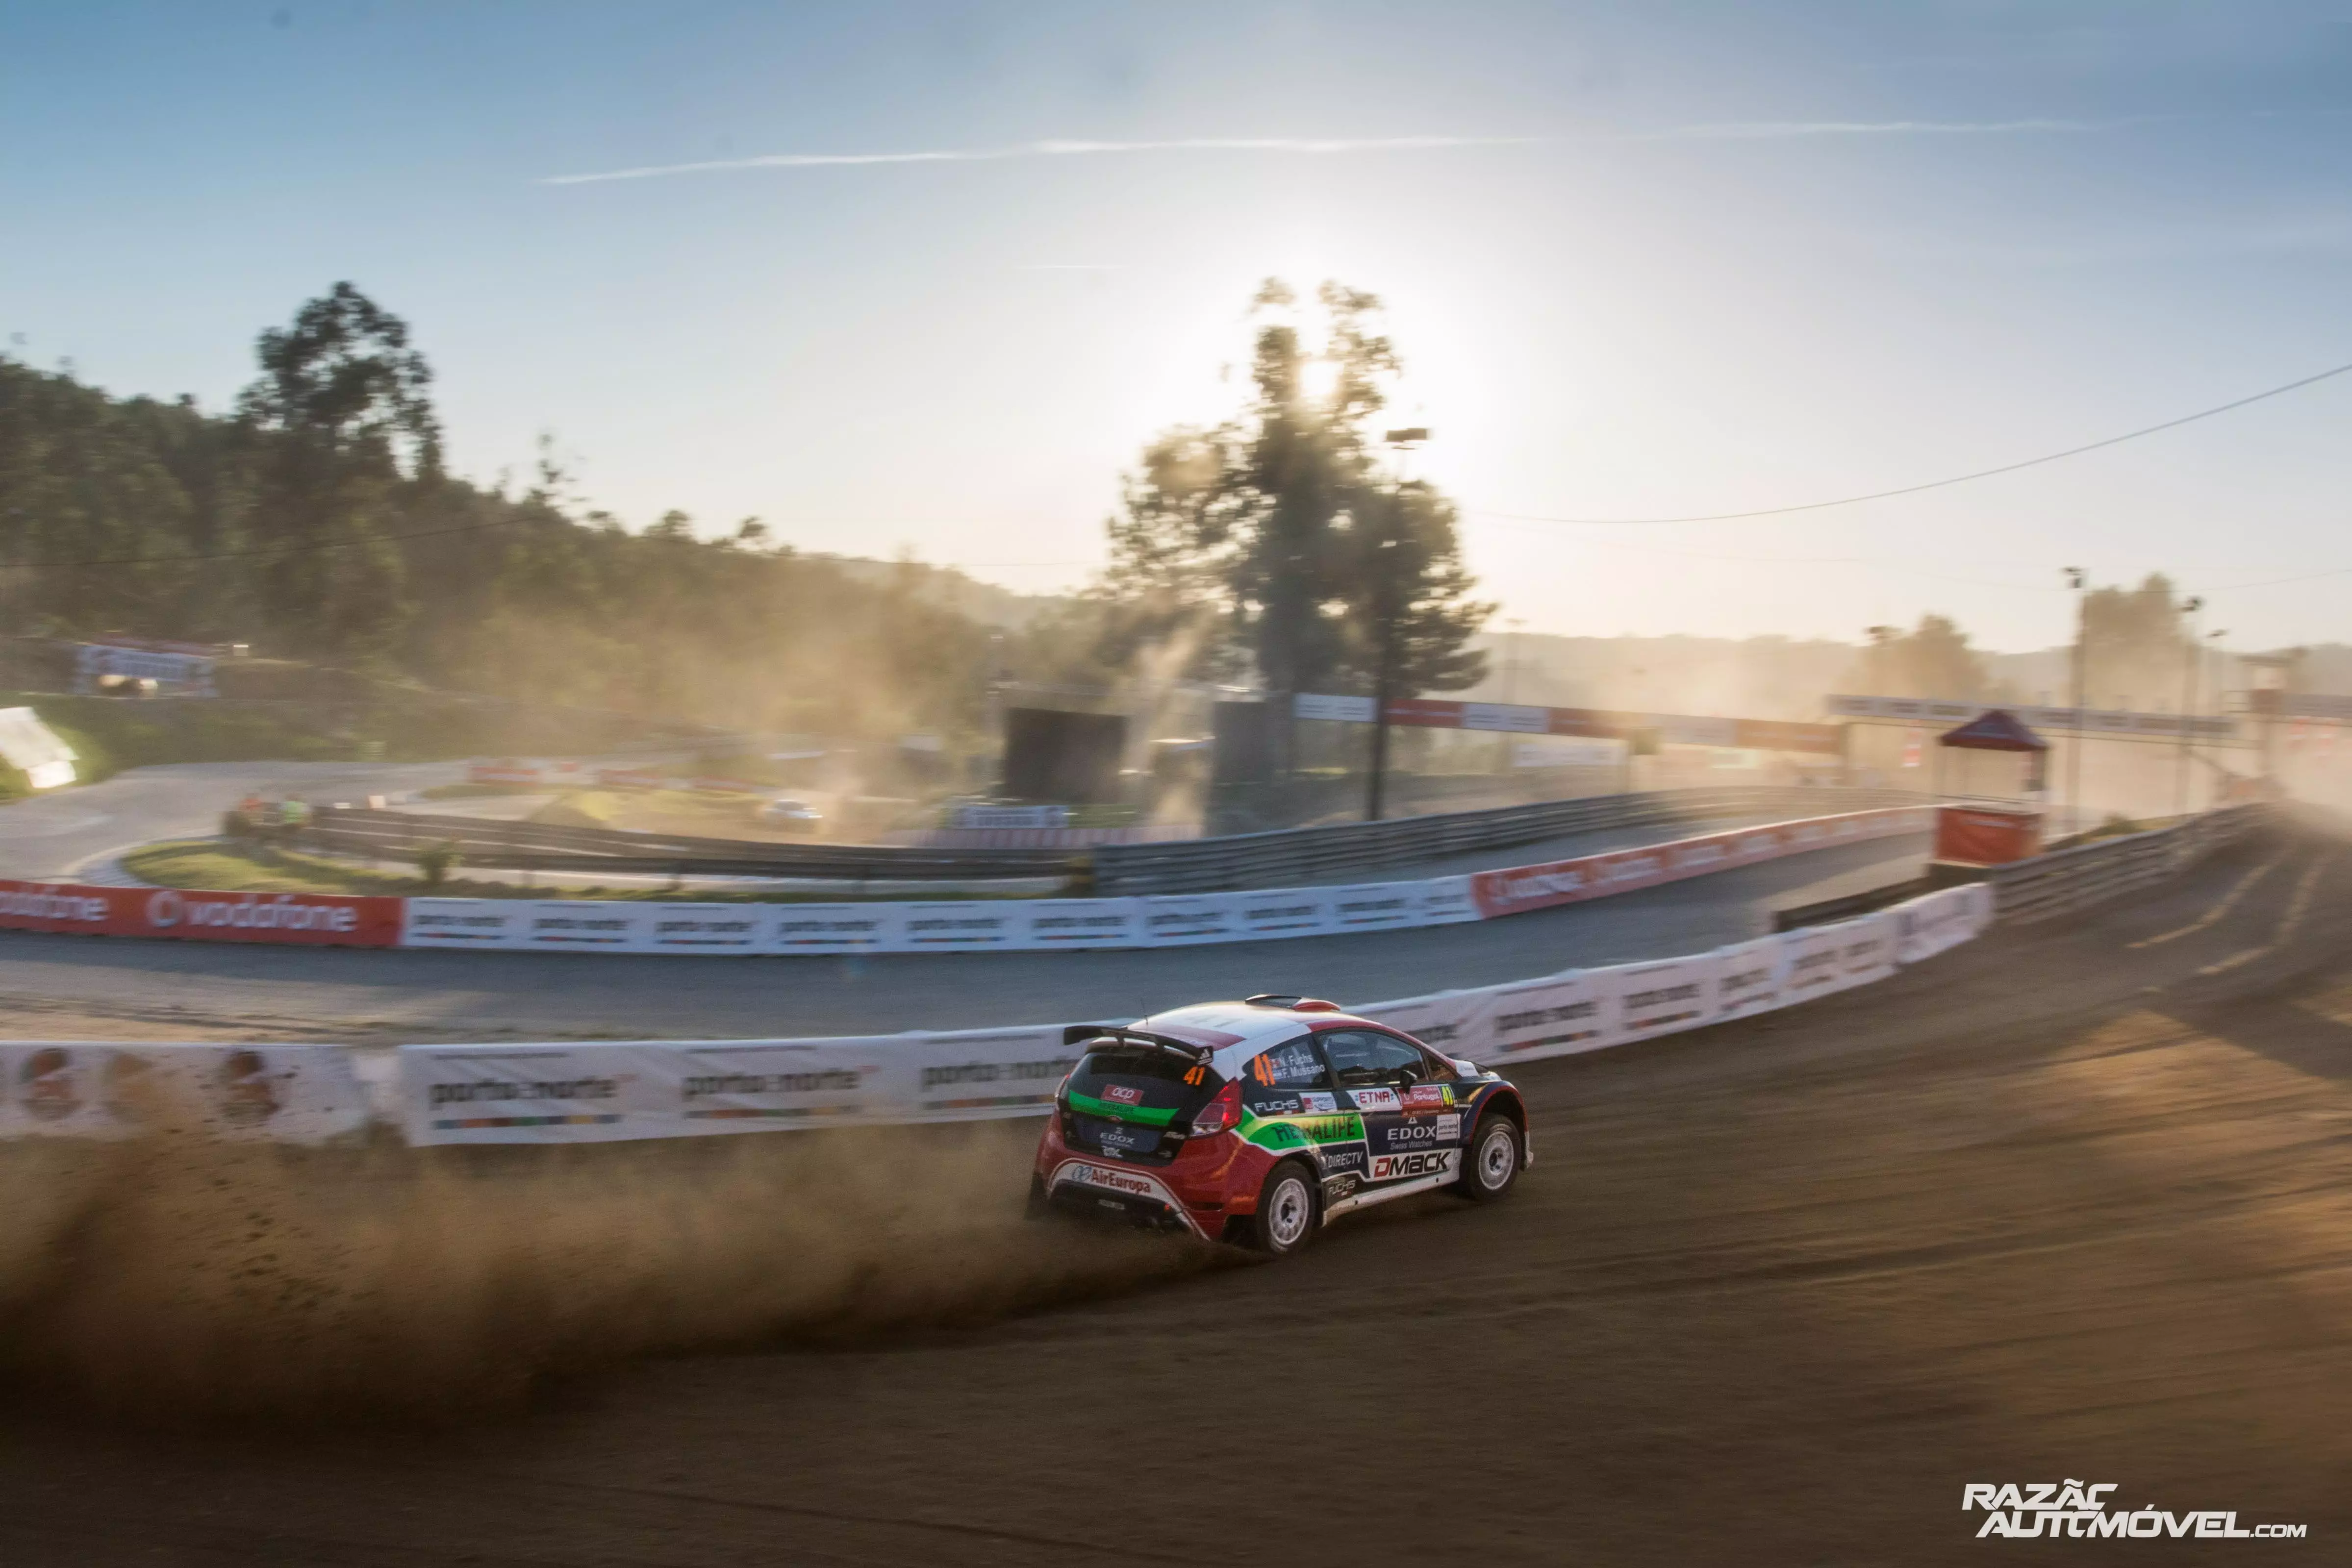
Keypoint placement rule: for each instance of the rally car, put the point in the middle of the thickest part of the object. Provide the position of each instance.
(1258, 1121)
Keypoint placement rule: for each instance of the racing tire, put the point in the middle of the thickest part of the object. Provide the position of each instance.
(1037, 1210)
(1491, 1165)
(1289, 1212)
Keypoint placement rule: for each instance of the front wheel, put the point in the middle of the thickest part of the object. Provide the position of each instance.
(1287, 1211)
(1495, 1155)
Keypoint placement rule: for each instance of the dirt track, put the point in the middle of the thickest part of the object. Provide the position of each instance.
(2049, 1207)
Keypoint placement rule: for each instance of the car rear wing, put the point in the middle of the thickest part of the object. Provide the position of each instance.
(1084, 1034)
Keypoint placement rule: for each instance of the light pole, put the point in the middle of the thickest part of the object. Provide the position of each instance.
(2075, 745)
(2189, 608)
(1386, 614)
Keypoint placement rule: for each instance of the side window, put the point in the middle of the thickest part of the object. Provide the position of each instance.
(1287, 1081)
(1362, 1060)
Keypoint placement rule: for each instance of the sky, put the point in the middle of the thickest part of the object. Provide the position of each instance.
(928, 276)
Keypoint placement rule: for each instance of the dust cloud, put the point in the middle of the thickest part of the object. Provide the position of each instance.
(175, 1277)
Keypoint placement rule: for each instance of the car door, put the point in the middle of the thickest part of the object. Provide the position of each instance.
(1289, 1106)
(1413, 1126)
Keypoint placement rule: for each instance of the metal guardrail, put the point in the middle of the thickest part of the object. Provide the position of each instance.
(2068, 879)
(1289, 856)
(1277, 859)
(540, 846)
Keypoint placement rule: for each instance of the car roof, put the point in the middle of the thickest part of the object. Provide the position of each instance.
(1235, 1031)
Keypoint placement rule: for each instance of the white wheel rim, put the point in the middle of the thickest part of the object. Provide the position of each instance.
(1291, 1210)
(1496, 1155)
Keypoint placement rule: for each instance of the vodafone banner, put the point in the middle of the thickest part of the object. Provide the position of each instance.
(1522, 888)
(310, 919)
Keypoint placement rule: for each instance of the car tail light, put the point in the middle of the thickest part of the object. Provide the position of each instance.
(1222, 1114)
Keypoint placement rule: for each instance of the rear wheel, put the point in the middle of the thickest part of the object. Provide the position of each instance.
(1491, 1165)
(1289, 1211)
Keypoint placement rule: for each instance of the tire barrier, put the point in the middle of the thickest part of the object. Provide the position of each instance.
(1040, 924)
(600, 1092)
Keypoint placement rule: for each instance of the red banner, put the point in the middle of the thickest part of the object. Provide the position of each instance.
(315, 920)
(1519, 889)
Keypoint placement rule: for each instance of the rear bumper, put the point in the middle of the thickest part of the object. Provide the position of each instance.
(1093, 1189)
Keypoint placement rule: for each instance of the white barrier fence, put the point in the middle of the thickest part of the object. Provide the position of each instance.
(1157, 920)
(593, 1091)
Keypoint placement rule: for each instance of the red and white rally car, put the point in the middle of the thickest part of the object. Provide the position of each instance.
(1259, 1121)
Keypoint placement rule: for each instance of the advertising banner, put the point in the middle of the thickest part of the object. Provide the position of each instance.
(1534, 1018)
(1662, 998)
(1866, 950)
(589, 1092)
(1447, 901)
(1750, 977)
(285, 1093)
(463, 923)
(304, 919)
(707, 1088)
(1443, 1020)
(971, 1075)
(1518, 889)
(1375, 905)
(580, 924)
(962, 925)
(1083, 923)
(834, 927)
(1926, 926)
(1173, 920)
(1285, 912)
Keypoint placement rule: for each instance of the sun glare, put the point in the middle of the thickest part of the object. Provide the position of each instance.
(1319, 379)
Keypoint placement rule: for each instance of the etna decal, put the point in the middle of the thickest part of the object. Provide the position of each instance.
(1422, 1163)
(1375, 1099)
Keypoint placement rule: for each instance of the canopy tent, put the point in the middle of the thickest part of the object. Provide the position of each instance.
(1995, 730)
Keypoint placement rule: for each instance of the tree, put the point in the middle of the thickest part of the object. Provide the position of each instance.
(2134, 648)
(1278, 537)
(1933, 660)
(342, 424)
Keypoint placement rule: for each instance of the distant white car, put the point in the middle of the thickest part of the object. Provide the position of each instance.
(785, 811)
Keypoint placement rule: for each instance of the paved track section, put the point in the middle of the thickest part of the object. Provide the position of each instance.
(51, 834)
(92, 988)
(2051, 1206)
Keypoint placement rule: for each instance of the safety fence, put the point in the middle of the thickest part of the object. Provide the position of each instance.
(1290, 855)
(597, 1092)
(2067, 879)
(1192, 865)
(1043, 924)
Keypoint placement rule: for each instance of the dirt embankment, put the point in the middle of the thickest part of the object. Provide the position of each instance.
(2072, 1203)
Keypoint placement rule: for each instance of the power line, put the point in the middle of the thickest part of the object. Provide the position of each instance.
(1932, 484)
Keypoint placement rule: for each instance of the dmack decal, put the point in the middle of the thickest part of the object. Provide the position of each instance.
(1422, 1163)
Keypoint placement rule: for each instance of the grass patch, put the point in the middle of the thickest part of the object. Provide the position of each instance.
(215, 865)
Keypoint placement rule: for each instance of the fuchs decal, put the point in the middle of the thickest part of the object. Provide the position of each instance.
(1402, 1167)
(1317, 1103)
(1276, 1104)
(1122, 1094)
(1376, 1099)
(1338, 1187)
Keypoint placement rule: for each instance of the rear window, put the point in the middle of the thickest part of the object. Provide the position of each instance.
(1137, 1083)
